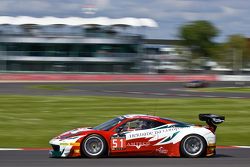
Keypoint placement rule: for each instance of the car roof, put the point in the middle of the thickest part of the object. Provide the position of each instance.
(143, 116)
(140, 116)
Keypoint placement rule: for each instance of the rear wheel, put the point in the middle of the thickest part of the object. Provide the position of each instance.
(193, 146)
(94, 146)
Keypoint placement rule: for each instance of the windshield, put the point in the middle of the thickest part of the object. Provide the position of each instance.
(109, 124)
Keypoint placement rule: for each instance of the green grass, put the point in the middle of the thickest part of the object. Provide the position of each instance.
(49, 87)
(226, 89)
(31, 121)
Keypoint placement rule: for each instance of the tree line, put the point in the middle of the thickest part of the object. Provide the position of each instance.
(199, 37)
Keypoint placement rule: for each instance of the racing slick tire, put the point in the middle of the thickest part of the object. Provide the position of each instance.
(94, 146)
(193, 146)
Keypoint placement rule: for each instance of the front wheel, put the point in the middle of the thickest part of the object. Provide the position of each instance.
(94, 146)
(193, 146)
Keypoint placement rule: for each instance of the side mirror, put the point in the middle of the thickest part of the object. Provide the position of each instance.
(119, 129)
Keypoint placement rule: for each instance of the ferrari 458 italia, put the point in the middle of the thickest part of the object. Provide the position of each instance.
(140, 135)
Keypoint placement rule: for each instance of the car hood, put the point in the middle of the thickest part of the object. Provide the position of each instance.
(74, 132)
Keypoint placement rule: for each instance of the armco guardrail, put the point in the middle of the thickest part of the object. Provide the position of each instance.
(101, 78)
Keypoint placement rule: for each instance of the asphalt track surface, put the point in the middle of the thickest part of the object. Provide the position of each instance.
(229, 157)
(224, 158)
(143, 90)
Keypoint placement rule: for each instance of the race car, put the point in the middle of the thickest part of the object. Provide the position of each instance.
(140, 135)
(196, 84)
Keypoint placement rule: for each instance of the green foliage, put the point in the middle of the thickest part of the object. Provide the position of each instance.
(234, 53)
(239, 48)
(198, 37)
(236, 41)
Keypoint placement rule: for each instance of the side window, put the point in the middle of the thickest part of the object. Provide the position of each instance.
(133, 125)
(153, 124)
(139, 124)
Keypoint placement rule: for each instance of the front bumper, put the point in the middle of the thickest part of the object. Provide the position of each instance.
(55, 154)
(60, 148)
(64, 148)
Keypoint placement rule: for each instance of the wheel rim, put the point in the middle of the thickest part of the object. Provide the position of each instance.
(193, 145)
(93, 146)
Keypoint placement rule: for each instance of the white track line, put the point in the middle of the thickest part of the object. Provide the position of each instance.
(242, 146)
(10, 149)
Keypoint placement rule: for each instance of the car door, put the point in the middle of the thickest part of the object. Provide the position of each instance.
(132, 137)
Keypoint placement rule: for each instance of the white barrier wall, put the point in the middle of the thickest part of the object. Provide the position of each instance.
(233, 77)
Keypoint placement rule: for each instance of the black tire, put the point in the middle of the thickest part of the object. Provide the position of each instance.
(94, 146)
(193, 146)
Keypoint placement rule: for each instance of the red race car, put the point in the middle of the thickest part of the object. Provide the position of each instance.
(139, 135)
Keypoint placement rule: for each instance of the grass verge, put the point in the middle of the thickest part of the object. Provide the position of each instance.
(49, 87)
(225, 89)
(31, 121)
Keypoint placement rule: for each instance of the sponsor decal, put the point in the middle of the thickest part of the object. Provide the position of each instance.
(166, 134)
(138, 145)
(69, 144)
(140, 135)
(162, 131)
(161, 150)
(217, 120)
(118, 143)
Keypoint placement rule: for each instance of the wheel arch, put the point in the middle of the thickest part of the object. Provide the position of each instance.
(206, 134)
(97, 134)
(196, 134)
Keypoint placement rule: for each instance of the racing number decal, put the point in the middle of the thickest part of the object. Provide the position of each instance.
(118, 143)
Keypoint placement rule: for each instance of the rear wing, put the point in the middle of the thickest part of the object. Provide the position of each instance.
(212, 120)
